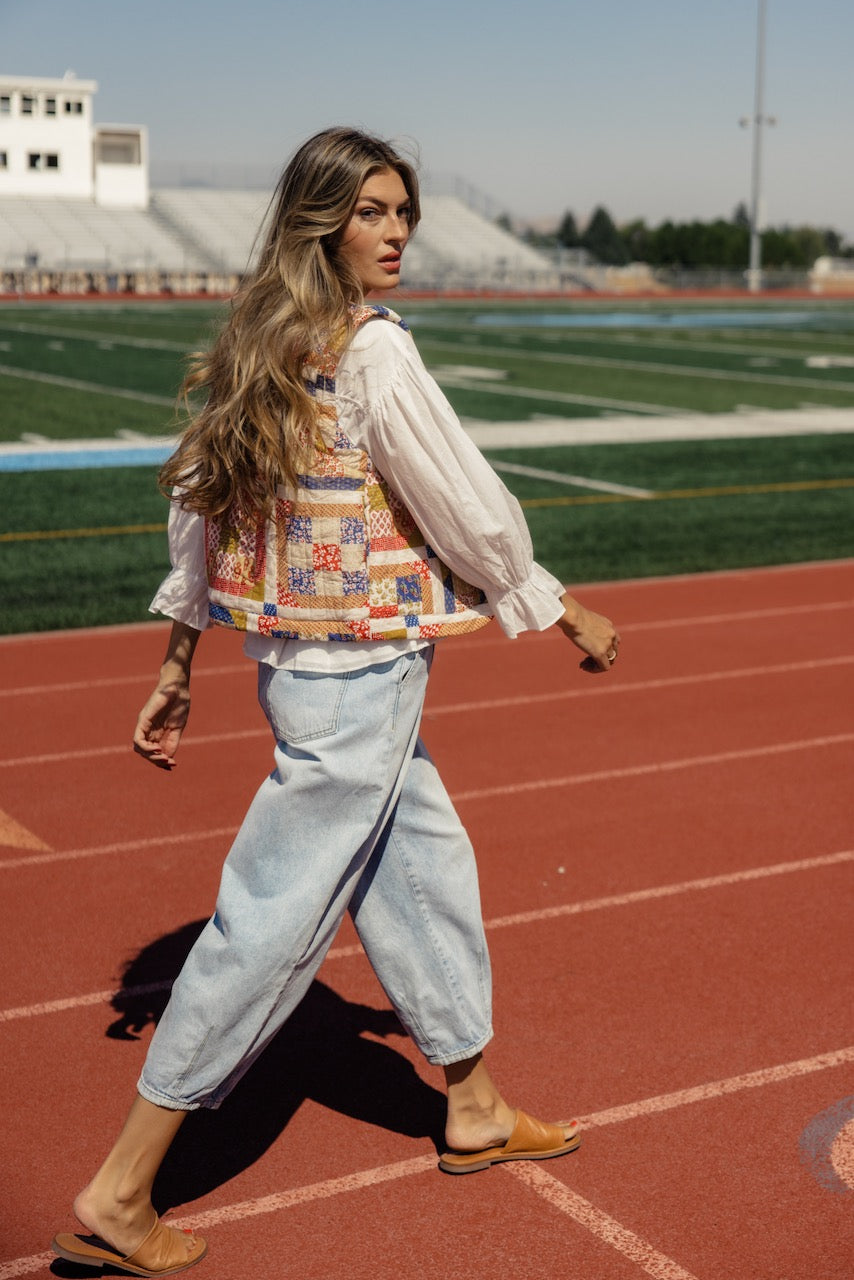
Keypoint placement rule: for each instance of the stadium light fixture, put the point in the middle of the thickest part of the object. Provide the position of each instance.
(759, 120)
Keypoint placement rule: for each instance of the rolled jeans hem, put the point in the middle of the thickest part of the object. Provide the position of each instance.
(461, 1055)
(161, 1100)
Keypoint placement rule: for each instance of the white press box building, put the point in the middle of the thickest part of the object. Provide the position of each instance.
(49, 145)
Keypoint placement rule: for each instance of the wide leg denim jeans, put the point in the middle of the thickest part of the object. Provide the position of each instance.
(354, 816)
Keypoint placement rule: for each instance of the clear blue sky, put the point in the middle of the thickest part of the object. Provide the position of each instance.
(546, 105)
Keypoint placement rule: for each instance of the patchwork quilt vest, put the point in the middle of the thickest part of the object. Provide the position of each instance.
(341, 557)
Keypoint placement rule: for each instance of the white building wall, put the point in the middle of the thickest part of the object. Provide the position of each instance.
(121, 166)
(46, 136)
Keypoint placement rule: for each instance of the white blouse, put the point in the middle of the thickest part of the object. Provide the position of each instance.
(390, 406)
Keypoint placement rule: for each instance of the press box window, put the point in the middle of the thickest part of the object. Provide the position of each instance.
(5, 104)
(4, 160)
(28, 105)
(37, 160)
(117, 148)
(73, 107)
(50, 106)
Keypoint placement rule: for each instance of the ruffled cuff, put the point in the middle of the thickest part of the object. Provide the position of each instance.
(183, 596)
(533, 606)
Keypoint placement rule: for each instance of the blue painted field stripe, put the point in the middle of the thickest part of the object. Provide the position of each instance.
(76, 459)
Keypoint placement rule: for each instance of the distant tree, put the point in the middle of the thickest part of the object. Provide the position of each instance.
(504, 222)
(741, 215)
(637, 237)
(792, 247)
(832, 242)
(602, 239)
(664, 247)
(719, 243)
(567, 233)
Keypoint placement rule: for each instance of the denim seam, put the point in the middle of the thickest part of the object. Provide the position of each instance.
(191, 1064)
(438, 950)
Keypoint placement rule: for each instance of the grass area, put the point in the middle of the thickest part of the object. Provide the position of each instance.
(58, 582)
(65, 413)
(684, 464)
(690, 527)
(133, 353)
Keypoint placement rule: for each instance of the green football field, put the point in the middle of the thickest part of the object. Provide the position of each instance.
(594, 407)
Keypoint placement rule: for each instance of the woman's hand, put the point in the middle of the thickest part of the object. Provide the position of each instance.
(594, 635)
(161, 723)
(163, 718)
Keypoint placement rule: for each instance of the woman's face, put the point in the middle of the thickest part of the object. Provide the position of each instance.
(374, 238)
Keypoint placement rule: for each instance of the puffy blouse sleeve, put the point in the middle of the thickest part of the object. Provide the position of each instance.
(183, 593)
(391, 406)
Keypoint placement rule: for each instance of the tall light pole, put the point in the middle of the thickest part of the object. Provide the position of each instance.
(754, 272)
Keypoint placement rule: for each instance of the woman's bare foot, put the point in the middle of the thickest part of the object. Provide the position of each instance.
(123, 1226)
(492, 1132)
(478, 1117)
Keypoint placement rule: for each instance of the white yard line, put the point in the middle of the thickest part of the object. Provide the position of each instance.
(92, 335)
(557, 397)
(615, 337)
(643, 366)
(578, 482)
(76, 384)
(544, 432)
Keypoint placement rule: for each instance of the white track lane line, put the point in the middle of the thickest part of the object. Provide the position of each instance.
(669, 890)
(153, 626)
(660, 766)
(719, 1088)
(640, 686)
(126, 846)
(498, 922)
(426, 1164)
(599, 1224)
(113, 682)
(459, 797)
(554, 636)
(597, 689)
(234, 668)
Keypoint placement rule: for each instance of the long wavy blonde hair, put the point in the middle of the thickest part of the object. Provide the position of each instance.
(258, 423)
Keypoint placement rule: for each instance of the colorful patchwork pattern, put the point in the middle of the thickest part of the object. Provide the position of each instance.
(342, 558)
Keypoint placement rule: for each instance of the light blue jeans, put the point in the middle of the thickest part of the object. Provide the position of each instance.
(354, 816)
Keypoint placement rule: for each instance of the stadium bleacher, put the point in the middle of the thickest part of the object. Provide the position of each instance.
(188, 233)
(63, 233)
(220, 225)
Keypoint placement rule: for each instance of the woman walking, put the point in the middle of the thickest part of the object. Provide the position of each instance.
(327, 503)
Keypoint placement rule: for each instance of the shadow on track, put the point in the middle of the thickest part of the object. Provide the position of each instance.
(321, 1053)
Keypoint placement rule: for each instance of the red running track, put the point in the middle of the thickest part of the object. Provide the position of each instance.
(666, 858)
